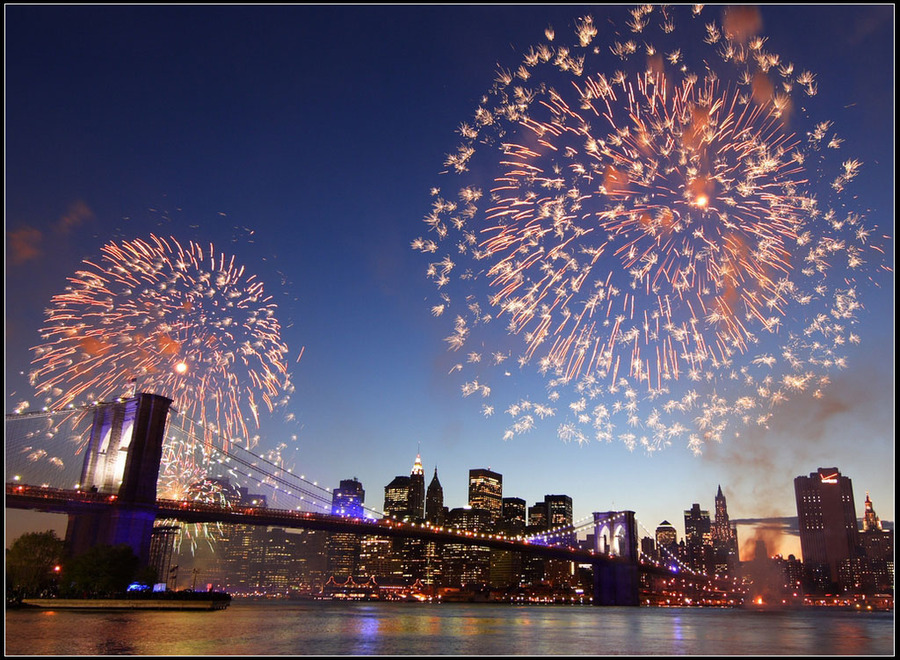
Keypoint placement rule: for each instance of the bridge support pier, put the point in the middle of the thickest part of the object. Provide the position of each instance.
(616, 582)
(130, 526)
(122, 460)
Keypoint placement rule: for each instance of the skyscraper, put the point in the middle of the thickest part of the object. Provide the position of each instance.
(667, 542)
(465, 564)
(348, 499)
(435, 513)
(486, 492)
(396, 498)
(724, 538)
(559, 522)
(871, 521)
(434, 501)
(559, 515)
(404, 497)
(514, 515)
(698, 538)
(537, 518)
(343, 549)
(826, 516)
(876, 574)
(417, 490)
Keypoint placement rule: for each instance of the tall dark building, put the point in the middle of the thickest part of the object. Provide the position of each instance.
(667, 543)
(559, 510)
(464, 564)
(273, 568)
(404, 497)
(436, 514)
(396, 498)
(698, 537)
(434, 501)
(537, 518)
(559, 515)
(559, 523)
(514, 515)
(507, 567)
(417, 490)
(342, 549)
(724, 538)
(486, 492)
(826, 516)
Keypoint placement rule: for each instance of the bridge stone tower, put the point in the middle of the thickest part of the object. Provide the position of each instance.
(615, 536)
(122, 459)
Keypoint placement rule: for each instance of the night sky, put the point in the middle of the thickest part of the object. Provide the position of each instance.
(306, 141)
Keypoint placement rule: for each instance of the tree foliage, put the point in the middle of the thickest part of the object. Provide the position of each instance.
(30, 563)
(101, 571)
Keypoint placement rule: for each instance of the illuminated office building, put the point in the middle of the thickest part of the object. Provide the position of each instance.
(404, 499)
(559, 573)
(559, 516)
(698, 538)
(348, 500)
(396, 498)
(537, 518)
(377, 559)
(513, 518)
(467, 565)
(666, 541)
(417, 490)
(343, 549)
(876, 570)
(486, 492)
(871, 521)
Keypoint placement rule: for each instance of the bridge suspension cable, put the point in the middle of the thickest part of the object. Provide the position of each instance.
(277, 477)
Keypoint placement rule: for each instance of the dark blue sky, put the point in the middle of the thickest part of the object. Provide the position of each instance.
(305, 141)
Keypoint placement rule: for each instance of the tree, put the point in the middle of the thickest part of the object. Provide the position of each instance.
(31, 562)
(103, 570)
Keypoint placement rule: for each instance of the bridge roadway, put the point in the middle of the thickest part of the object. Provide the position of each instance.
(58, 500)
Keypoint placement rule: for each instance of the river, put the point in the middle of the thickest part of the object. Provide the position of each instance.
(356, 628)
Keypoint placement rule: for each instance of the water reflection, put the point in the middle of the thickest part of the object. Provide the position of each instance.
(317, 628)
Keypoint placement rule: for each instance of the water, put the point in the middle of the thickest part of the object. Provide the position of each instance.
(327, 628)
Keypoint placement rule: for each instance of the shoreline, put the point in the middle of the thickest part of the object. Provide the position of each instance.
(199, 604)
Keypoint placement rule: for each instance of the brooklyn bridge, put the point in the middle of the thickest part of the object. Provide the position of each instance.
(115, 499)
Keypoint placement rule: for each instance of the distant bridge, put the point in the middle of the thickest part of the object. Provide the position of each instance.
(77, 502)
(121, 461)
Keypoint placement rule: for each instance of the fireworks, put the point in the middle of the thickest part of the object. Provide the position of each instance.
(183, 322)
(660, 238)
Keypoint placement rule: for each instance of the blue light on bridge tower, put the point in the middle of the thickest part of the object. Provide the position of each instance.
(122, 460)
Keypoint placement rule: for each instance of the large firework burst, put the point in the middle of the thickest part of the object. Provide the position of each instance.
(183, 322)
(654, 216)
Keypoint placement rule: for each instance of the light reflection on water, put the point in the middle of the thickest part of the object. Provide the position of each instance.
(324, 628)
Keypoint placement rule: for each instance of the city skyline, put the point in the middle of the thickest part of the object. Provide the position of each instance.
(781, 535)
(307, 147)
